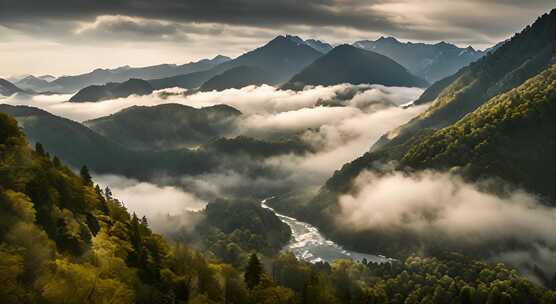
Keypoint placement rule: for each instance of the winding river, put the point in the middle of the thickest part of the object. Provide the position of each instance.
(310, 245)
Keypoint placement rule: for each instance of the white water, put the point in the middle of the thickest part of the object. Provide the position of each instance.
(309, 245)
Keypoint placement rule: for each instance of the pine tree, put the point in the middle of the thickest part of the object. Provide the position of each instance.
(253, 271)
(108, 193)
(86, 176)
(39, 148)
(56, 162)
(144, 222)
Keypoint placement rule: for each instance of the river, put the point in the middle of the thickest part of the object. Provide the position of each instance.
(308, 244)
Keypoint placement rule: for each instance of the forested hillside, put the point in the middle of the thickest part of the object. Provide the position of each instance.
(63, 240)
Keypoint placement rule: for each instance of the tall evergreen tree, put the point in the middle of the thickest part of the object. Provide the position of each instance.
(253, 272)
(39, 148)
(56, 162)
(108, 192)
(86, 176)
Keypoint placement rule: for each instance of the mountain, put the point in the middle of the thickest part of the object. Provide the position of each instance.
(65, 240)
(236, 78)
(7, 88)
(431, 62)
(170, 126)
(280, 58)
(348, 64)
(77, 145)
(491, 120)
(70, 84)
(36, 84)
(318, 45)
(522, 57)
(113, 90)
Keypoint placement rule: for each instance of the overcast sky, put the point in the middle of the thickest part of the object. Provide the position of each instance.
(74, 36)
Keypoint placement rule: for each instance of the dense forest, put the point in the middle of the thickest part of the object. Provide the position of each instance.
(65, 240)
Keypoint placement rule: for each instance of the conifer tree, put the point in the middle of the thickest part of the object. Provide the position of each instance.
(86, 176)
(253, 272)
(39, 148)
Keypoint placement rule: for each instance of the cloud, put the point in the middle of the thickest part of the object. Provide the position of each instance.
(148, 199)
(440, 208)
(337, 134)
(249, 100)
(133, 32)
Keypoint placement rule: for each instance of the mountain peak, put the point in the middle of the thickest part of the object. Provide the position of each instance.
(295, 39)
(387, 39)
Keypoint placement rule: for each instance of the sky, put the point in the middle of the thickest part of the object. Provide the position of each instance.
(62, 37)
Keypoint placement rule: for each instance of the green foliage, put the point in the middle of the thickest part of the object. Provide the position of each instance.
(65, 241)
(232, 229)
(484, 141)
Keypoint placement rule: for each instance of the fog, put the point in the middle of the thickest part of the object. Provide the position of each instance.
(339, 122)
(148, 199)
(442, 206)
(249, 100)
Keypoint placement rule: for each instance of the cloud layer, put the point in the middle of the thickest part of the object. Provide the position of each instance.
(440, 207)
(88, 35)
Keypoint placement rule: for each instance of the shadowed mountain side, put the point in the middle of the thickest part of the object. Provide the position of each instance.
(171, 126)
(112, 91)
(348, 64)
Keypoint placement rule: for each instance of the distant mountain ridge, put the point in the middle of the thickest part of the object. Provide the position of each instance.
(273, 63)
(113, 90)
(348, 64)
(318, 45)
(70, 84)
(431, 62)
(170, 126)
(7, 88)
(235, 78)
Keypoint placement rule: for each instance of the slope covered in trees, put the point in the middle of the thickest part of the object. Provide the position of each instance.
(76, 144)
(63, 240)
(522, 57)
(170, 126)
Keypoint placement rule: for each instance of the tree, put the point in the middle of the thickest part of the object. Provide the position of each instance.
(253, 271)
(39, 148)
(108, 193)
(86, 176)
(56, 162)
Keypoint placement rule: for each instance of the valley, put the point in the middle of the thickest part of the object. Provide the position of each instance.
(386, 159)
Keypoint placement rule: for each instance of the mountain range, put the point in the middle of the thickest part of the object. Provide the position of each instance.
(7, 88)
(274, 63)
(490, 120)
(431, 62)
(71, 84)
(77, 144)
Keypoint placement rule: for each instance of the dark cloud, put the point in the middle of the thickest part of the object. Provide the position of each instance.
(237, 12)
(79, 28)
(367, 15)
